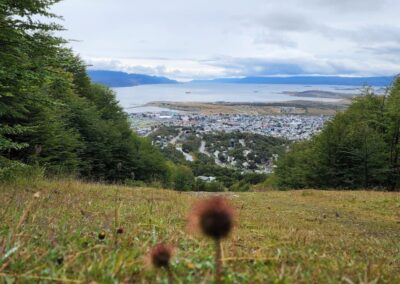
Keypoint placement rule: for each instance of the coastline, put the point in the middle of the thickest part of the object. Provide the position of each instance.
(261, 108)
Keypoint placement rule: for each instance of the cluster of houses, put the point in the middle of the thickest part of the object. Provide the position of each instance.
(291, 127)
(184, 124)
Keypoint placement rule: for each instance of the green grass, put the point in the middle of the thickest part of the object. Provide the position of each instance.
(281, 237)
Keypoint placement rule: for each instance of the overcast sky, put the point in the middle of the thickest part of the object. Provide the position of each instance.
(186, 39)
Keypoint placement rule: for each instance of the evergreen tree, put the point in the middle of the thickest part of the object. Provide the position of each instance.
(393, 135)
(52, 116)
(359, 148)
(26, 51)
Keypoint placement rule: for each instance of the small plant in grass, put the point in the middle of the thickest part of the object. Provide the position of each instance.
(214, 217)
(101, 236)
(60, 260)
(160, 257)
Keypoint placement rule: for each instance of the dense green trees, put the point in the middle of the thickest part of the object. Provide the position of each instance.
(359, 148)
(392, 138)
(26, 49)
(262, 147)
(52, 116)
(183, 178)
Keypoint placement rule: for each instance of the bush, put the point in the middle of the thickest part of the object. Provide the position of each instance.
(240, 186)
(214, 186)
(187, 148)
(183, 179)
(135, 183)
(13, 171)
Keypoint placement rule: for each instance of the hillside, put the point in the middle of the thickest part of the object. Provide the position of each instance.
(281, 237)
(122, 79)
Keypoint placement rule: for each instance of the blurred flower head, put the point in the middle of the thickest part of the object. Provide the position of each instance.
(160, 255)
(214, 217)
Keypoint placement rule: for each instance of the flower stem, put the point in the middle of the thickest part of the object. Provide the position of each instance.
(218, 261)
(170, 276)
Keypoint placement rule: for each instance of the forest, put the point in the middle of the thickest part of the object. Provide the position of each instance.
(359, 148)
(54, 121)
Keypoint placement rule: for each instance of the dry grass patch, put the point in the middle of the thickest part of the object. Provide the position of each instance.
(282, 237)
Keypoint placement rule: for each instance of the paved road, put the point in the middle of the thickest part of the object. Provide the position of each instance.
(176, 138)
(173, 141)
(154, 130)
(188, 157)
(202, 149)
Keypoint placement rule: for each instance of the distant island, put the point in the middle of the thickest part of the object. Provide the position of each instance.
(307, 80)
(320, 94)
(115, 79)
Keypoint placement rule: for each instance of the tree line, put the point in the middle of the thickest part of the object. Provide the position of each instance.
(359, 148)
(52, 116)
(55, 122)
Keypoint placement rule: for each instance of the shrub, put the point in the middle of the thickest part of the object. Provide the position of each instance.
(183, 178)
(13, 171)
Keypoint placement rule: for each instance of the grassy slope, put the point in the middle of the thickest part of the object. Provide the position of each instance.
(281, 237)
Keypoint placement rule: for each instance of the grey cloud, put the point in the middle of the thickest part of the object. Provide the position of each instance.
(118, 65)
(272, 38)
(241, 67)
(383, 50)
(256, 37)
(373, 34)
(389, 53)
(301, 23)
(349, 6)
(268, 67)
(159, 70)
(288, 21)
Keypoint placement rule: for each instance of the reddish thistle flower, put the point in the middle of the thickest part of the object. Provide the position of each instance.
(120, 231)
(213, 216)
(160, 255)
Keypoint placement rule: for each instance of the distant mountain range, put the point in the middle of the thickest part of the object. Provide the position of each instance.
(122, 79)
(307, 80)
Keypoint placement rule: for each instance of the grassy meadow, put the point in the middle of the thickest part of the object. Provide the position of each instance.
(49, 233)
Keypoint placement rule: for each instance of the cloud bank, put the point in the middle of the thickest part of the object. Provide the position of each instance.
(198, 39)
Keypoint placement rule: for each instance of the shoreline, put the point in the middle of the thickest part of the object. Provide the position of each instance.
(299, 107)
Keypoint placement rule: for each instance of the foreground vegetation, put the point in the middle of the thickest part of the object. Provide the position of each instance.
(50, 231)
(359, 148)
